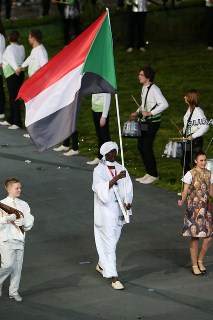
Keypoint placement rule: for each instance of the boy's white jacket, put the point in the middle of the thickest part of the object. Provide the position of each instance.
(8, 231)
(106, 208)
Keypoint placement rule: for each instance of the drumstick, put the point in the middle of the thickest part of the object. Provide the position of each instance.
(58, 1)
(135, 101)
(174, 124)
(178, 139)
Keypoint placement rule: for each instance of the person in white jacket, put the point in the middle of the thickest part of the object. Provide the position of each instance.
(12, 58)
(2, 93)
(12, 239)
(195, 126)
(108, 217)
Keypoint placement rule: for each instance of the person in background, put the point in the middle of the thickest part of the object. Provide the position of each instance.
(149, 114)
(195, 126)
(109, 197)
(13, 57)
(12, 237)
(201, 174)
(100, 113)
(37, 58)
(137, 12)
(209, 24)
(66, 145)
(70, 13)
(2, 93)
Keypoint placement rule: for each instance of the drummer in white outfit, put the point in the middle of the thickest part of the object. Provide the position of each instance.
(12, 239)
(108, 217)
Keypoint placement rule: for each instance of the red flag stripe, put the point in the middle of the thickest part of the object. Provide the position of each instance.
(65, 61)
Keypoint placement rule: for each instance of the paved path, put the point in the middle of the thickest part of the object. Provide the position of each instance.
(59, 280)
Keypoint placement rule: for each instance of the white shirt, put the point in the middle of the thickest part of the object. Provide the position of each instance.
(154, 97)
(2, 46)
(37, 59)
(102, 100)
(8, 231)
(198, 123)
(13, 56)
(106, 207)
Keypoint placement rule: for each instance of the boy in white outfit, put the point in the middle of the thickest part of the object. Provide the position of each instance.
(12, 237)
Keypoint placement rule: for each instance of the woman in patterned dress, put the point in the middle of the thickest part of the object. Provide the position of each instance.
(199, 225)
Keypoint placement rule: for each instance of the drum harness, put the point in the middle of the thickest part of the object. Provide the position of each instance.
(140, 116)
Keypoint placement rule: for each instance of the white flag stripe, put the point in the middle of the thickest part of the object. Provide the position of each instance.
(54, 98)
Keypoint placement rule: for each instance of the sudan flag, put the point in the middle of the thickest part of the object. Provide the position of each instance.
(53, 94)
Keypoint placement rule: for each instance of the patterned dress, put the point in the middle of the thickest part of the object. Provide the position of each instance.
(198, 214)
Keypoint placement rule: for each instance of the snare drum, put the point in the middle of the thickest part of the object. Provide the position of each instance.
(209, 165)
(173, 149)
(131, 129)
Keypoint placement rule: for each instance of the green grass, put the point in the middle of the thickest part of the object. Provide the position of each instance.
(176, 50)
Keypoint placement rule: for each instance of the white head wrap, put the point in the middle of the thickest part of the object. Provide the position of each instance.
(107, 147)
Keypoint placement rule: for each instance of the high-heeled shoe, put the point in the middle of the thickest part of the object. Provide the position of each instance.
(196, 274)
(203, 271)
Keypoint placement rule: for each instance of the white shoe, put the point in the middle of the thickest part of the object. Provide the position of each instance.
(61, 148)
(143, 178)
(5, 123)
(71, 153)
(0, 291)
(179, 194)
(14, 127)
(93, 162)
(129, 49)
(142, 49)
(98, 269)
(2, 116)
(149, 180)
(26, 135)
(16, 297)
(210, 48)
(117, 285)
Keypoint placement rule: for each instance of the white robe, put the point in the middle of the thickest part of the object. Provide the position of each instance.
(108, 218)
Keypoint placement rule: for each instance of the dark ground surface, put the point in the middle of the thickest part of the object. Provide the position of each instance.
(59, 281)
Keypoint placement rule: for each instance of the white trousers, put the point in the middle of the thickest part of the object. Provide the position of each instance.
(106, 239)
(11, 264)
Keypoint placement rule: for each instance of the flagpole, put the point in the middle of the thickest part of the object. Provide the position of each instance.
(126, 216)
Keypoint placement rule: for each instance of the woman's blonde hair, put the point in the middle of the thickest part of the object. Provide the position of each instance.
(193, 97)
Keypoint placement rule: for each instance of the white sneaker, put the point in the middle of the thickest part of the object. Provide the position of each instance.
(14, 127)
(117, 285)
(179, 194)
(26, 135)
(5, 123)
(149, 180)
(16, 297)
(2, 116)
(142, 49)
(129, 49)
(143, 178)
(93, 162)
(210, 48)
(61, 148)
(71, 153)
